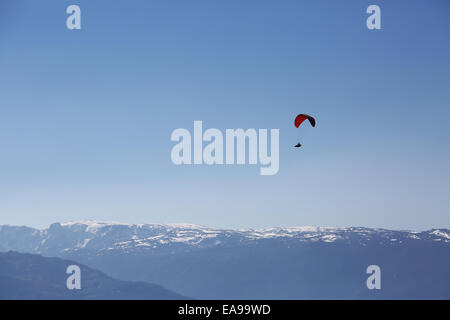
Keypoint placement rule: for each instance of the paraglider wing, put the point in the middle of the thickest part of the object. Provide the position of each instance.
(302, 117)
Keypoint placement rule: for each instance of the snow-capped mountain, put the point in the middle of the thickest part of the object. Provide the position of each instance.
(274, 263)
(102, 237)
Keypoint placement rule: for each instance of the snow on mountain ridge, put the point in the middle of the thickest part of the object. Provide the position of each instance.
(441, 234)
(95, 224)
(180, 232)
(101, 236)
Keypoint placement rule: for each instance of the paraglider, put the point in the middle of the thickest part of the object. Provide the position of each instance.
(300, 119)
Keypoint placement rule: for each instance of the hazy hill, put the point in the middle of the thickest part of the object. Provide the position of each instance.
(27, 276)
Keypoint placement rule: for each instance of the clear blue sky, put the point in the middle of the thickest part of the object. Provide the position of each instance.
(86, 116)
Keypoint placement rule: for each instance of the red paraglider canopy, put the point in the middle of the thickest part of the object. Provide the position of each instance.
(302, 117)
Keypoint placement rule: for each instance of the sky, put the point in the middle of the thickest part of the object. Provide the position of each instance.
(86, 115)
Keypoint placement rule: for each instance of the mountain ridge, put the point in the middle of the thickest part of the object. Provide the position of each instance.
(272, 263)
(99, 235)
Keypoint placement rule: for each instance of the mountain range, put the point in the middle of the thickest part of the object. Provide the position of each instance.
(274, 263)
